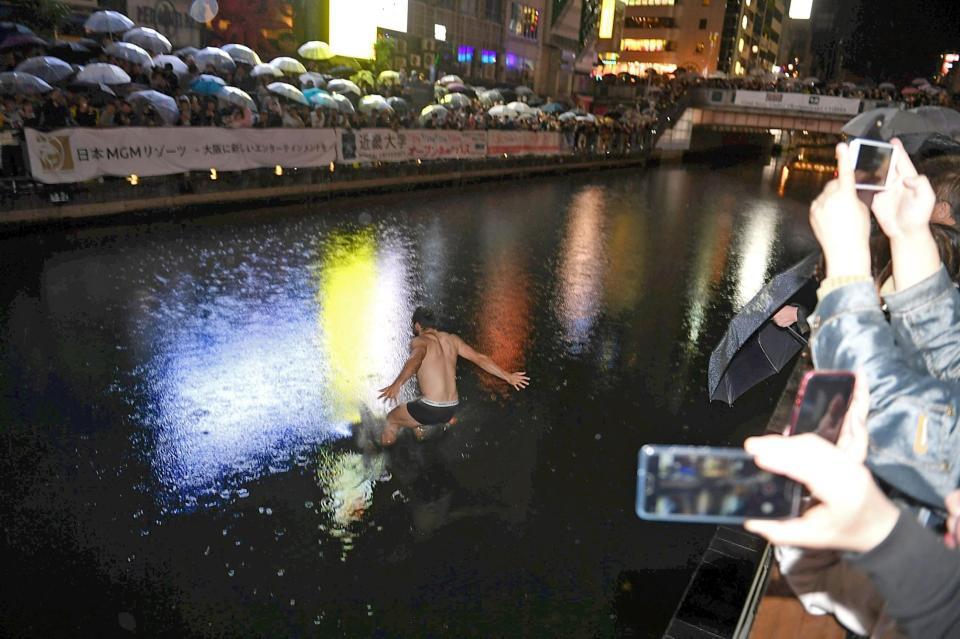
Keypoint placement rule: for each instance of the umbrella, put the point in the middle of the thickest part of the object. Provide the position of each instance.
(343, 86)
(12, 28)
(450, 79)
(456, 101)
(18, 82)
(21, 41)
(507, 94)
(287, 91)
(362, 77)
(553, 108)
(207, 84)
(178, 65)
(288, 65)
(373, 104)
(344, 103)
(519, 107)
(522, 90)
(267, 70)
(503, 111)
(535, 100)
(308, 93)
(241, 54)
(589, 117)
(72, 51)
(315, 50)
(432, 111)
(102, 73)
(46, 68)
(219, 59)
(927, 119)
(389, 77)
(868, 123)
(149, 39)
(323, 99)
(129, 53)
(204, 10)
(107, 22)
(163, 104)
(342, 71)
(456, 87)
(97, 93)
(753, 348)
(318, 79)
(398, 104)
(237, 97)
(919, 82)
(566, 117)
(489, 98)
(186, 52)
(887, 86)
(909, 90)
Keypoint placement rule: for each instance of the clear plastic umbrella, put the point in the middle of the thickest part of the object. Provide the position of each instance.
(399, 104)
(503, 111)
(491, 97)
(237, 97)
(343, 86)
(456, 101)
(219, 59)
(288, 65)
(149, 39)
(522, 90)
(389, 77)
(178, 65)
(163, 104)
(373, 104)
(102, 73)
(47, 68)
(450, 79)
(315, 50)
(264, 69)
(344, 103)
(519, 107)
(433, 111)
(186, 52)
(318, 80)
(20, 83)
(129, 53)
(242, 54)
(204, 10)
(566, 117)
(323, 99)
(207, 84)
(108, 22)
(287, 91)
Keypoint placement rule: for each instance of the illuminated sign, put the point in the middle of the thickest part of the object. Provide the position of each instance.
(353, 24)
(950, 60)
(607, 10)
(464, 54)
(800, 9)
(487, 56)
(440, 32)
(392, 15)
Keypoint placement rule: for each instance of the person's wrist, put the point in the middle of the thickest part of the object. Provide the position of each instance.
(880, 518)
(848, 264)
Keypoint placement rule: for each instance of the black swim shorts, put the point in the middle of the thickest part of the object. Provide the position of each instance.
(429, 412)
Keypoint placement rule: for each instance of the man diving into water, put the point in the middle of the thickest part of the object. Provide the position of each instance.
(433, 359)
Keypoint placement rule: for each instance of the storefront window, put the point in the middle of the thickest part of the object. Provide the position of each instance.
(464, 54)
(644, 44)
(524, 21)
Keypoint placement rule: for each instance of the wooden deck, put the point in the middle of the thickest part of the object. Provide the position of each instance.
(781, 616)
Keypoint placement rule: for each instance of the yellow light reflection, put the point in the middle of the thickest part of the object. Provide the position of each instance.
(754, 250)
(582, 267)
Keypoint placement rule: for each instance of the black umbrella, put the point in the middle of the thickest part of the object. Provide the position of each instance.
(753, 347)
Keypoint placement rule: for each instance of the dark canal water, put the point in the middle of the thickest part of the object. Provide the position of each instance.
(178, 400)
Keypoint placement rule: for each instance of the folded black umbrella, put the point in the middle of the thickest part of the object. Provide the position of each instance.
(753, 347)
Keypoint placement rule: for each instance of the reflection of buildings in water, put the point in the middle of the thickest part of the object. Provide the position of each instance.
(754, 250)
(710, 262)
(347, 480)
(582, 267)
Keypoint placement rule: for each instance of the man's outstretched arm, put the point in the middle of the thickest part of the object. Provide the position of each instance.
(418, 350)
(518, 380)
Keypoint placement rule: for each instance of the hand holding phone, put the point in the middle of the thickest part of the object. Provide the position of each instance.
(699, 484)
(872, 164)
(821, 404)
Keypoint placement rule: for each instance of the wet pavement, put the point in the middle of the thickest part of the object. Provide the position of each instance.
(180, 405)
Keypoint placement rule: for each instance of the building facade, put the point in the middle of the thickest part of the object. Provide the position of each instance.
(750, 40)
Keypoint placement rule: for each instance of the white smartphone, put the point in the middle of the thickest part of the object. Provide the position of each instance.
(872, 163)
(700, 484)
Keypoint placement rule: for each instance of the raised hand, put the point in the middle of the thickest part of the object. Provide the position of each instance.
(518, 380)
(904, 208)
(391, 392)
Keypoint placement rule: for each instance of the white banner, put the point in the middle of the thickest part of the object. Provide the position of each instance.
(406, 145)
(74, 155)
(797, 102)
(525, 143)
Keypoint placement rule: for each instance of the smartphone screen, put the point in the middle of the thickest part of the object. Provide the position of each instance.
(873, 162)
(822, 403)
(710, 485)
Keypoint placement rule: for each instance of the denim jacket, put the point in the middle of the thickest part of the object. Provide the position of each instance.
(912, 367)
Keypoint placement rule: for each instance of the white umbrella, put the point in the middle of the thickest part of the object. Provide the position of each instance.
(450, 79)
(288, 91)
(204, 10)
(288, 65)
(129, 53)
(107, 22)
(519, 107)
(186, 52)
(373, 104)
(503, 111)
(312, 76)
(47, 68)
(237, 97)
(163, 104)
(569, 115)
(102, 73)
(456, 100)
(489, 98)
(242, 54)
(587, 118)
(522, 90)
(219, 59)
(179, 66)
(20, 83)
(886, 86)
(315, 50)
(432, 111)
(344, 103)
(267, 70)
(149, 39)
(343, 86)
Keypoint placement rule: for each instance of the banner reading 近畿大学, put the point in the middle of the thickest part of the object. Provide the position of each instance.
(826, 104)
(76, 154)
(525, 143)
(406, 145)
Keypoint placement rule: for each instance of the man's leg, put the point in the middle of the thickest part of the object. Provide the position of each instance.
(398, 418)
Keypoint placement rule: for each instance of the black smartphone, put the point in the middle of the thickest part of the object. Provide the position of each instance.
(701, 484)
(822, 403)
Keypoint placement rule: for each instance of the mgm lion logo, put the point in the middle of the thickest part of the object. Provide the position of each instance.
(54, 152)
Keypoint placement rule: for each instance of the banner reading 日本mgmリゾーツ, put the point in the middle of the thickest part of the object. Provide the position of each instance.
(76, 154)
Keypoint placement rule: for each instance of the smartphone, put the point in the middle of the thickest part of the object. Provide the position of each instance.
(873, 163)
(700, 484)
(822, 403)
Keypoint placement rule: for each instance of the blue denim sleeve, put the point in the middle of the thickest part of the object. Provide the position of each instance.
(914, 444)
(926, 324)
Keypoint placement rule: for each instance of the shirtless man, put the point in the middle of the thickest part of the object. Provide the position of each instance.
(433, 359)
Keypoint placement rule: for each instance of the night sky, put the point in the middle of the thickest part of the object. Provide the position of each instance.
(901, 39)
